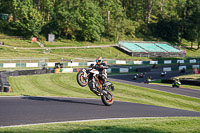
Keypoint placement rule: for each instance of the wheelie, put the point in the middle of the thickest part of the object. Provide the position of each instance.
(95, 77)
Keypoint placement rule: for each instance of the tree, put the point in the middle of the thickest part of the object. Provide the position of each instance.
(190, 30)
(28, 21)
(118, 26)
(192, 22)
(168, 30)
(197, 21)
(80, 20)
(5, 6)
(90, 21)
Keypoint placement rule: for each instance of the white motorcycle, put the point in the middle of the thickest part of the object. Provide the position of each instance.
(90, 77)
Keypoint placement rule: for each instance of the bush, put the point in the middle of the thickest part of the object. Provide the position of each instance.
(3, 26)
(41, 38)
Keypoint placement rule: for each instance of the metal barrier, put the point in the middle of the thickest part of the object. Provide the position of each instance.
(4, 84)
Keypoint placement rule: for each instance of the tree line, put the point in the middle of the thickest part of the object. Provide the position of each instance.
(97, 20)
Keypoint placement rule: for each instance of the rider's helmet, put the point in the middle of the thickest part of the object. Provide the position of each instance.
(99, 60)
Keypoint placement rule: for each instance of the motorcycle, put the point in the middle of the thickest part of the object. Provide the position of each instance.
(90, 77)
(176, 84)
(162, 74)
(147, 81)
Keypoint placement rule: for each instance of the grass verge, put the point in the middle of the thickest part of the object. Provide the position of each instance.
(187, 77)
(66, 85)
(139, 125)
(182, 86)
(190, 77)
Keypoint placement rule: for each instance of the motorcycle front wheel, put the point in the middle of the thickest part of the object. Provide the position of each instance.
(81, 80)
(107, 99)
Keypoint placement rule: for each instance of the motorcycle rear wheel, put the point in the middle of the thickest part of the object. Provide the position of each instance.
(80, 79)
(106, 101)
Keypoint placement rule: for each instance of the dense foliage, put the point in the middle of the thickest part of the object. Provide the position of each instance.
(96, 20)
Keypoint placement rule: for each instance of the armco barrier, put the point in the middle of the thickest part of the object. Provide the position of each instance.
(123, 62)
(111, 70)
(4, 84)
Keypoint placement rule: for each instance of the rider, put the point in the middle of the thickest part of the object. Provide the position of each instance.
(148, 80)
(101, 66)
(177, 82)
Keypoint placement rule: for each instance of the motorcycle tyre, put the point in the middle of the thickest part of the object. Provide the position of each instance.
(81, 82)
(106, 101)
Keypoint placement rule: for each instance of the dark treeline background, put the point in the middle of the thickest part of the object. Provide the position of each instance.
(97, 20)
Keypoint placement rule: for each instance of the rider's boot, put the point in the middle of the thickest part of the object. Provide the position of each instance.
(112, 88)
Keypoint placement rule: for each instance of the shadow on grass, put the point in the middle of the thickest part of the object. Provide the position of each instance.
(89, 129)
(78, 101)
(114, 129)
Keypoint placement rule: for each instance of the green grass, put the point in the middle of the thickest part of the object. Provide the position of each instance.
(107, 53)
(66, 85)
(187, 77)
(68, 43)
(139, 125)
(193, 53)
(182, 85)
(190, 77)
(57, 54)
(10, 53)
(19, 43)
(187, 43)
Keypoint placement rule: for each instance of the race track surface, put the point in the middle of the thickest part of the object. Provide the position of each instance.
(32, 110)
(128, 79)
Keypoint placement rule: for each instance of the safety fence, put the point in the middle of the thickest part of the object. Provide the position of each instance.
(109, 62)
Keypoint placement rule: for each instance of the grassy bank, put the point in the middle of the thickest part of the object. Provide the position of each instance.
(68, 43)
(140, 125)
(57, 54)
(66, 85)
(18, 42)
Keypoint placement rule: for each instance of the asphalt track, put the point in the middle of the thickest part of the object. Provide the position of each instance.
(128, 79)
(32, 110)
